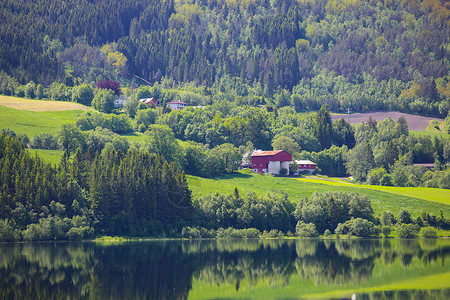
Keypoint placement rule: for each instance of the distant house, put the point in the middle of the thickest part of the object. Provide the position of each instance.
(305, 165)
(120, 101)
(149, 101)
(177, 105)
(271, 161)
(426, 166)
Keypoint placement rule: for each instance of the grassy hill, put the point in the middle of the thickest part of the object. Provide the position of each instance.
(392, 199)
(33, 117)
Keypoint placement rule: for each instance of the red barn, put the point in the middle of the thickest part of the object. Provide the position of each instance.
(271, 161)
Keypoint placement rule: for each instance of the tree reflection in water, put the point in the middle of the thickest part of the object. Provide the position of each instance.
(166, 269)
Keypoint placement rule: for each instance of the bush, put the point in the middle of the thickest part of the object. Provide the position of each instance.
(306, 230)
(386, 230)
(191, 233)
(364, 228)
(327, 233)
(44, 141)
(6, 231)
(428, 232)
(407, 231)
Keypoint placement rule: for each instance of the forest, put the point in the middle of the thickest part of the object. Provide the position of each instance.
(357, 55)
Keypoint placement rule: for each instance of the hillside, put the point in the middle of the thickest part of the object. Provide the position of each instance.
(388, 199)
(348, 54)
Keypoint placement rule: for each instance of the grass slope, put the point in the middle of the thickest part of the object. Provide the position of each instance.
(296, 189)
(39, 105)
(48, 156)
(428, 194)
(32, 123)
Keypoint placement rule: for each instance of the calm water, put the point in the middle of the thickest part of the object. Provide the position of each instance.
(364, 269)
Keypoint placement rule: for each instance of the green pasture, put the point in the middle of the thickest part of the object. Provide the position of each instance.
(424, 193)
(49, 156)
(432, 133)
(32, 123)
(296, 189)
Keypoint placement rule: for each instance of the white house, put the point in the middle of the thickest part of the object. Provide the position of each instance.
(177, 105)
(120, 101)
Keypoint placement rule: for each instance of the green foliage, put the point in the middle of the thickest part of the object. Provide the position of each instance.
(287, 144)
(83, 94)
(407, 231)
(386, 230)
(428, 232)
(104, 101)
(162, 141)
(306, 230)
(109, 191)
(116, 123)
(70, 137)
(404, 217)
(360, 161)
(44, 141)
(262, 213)
(364, 228)
(145, 117)
(323, 129)
(327, 210)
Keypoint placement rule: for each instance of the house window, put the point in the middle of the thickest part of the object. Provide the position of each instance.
(260, 165)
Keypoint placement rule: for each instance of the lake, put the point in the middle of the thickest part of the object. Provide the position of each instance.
(208, 269)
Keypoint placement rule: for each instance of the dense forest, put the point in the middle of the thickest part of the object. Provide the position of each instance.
(361, 55)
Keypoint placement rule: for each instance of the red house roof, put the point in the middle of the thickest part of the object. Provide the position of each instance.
(267, 153)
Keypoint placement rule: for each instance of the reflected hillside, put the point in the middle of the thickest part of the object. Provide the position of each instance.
(209, 268)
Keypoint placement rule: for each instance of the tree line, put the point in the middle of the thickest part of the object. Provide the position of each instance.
(107, 192)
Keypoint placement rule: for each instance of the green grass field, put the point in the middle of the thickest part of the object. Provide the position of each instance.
(40, 105)
(49, 156)
(431, 133)
(296, 189)
(32, 123)
(428, 194)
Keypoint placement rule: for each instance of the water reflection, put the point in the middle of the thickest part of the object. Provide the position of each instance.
(170, 269)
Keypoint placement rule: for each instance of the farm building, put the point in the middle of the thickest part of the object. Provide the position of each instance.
(305, 165)
(149, 101)
(177, 105)
(271, 161)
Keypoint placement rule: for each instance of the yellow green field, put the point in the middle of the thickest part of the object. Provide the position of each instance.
(40, 105)
(392, 199)
(424, 193)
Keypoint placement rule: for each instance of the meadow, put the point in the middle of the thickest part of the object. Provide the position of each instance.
(393, 199)
(32, 123)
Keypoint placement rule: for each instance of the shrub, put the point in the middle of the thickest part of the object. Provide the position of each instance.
(428, 232)
(190, 233)
(364, 228)
(327, 233)
(407, 231)
(44, 141)
(404, 217)
(6, 231)
(306, 230)
(386, 230)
